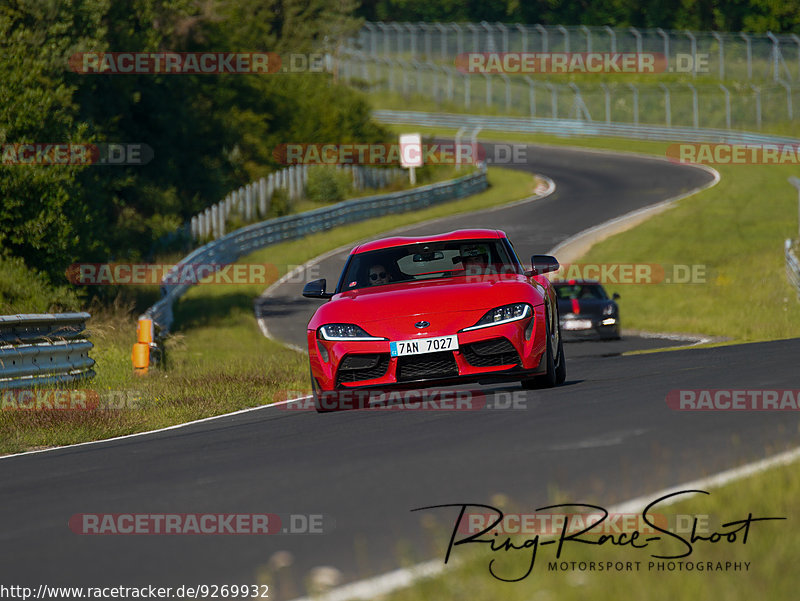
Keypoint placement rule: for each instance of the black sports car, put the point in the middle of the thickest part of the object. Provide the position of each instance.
(586, 310)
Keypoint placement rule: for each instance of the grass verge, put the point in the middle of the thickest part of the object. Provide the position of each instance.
(769, 549)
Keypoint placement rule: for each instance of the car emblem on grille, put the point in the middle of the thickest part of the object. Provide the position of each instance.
(421, 324)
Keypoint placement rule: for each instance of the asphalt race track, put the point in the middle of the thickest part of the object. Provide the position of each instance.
(605, 436)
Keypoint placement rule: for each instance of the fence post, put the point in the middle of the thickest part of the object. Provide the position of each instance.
(638, 37)
(524, 31)
(565, 33)
(693, 40)
(385, 31)
(459, 133)
(721, 54)
(475, 32)
(194, 227)
(543, 32)
(262, 197)
(490, 45)
(373, 38)
(553, 100)
(635, 91)
(667, 105)
(588, 33)
(727, 106)
(665, 37)
(607, 98)
(412, 29)
(508, 91)
(695, 108)
(775, 54)
(221, 218)
(488, 79)
(757, 92)
(449, 72)
(291, 178)
(531, 94)
(398, 30)
(749, 52)
(442, 37)
(788, 89)
(459, 37)
(426, 33)
(504, 35)
(611, 34)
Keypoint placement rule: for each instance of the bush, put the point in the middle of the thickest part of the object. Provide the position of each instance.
(326, 184)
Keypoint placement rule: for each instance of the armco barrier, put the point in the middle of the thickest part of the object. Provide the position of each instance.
(576, 127)
(43, 349)
(259, 235)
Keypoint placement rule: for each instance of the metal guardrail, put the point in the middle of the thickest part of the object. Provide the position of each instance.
(792, 267)
(272, 231)
(44, 349)
(575, 127)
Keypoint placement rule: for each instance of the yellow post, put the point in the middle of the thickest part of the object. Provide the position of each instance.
(140, 356)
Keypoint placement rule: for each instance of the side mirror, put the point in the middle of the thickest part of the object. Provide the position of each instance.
(614, 296)
(316, 289)
(543, 264)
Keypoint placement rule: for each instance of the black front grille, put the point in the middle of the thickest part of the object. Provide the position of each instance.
(354, 368)
(488, 353)
(429, 365)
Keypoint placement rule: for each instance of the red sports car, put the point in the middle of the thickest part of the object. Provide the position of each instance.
(445, 309)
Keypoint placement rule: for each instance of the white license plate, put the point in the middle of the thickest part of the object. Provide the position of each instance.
(418, 346)
(577, 324)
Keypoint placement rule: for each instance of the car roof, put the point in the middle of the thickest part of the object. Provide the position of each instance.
(473, 234)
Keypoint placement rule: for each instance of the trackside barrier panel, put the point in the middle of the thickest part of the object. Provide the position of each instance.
(41, 349)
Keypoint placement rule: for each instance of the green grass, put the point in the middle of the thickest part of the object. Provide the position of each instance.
(734, 230)
(218, 360)
(771, 550)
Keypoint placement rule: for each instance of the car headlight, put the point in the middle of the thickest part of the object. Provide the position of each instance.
(608, 309)
(501, 315)
(344, 331)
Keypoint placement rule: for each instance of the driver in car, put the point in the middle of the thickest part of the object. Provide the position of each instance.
(378, 275)
(474, 259)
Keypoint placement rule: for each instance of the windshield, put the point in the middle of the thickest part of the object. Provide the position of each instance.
(580, 291)
(426, 261)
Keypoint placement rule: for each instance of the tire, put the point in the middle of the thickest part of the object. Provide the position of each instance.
(561, 361)
(316, 392)
(556, 367)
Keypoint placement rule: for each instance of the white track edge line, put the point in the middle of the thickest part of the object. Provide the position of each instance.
(147, 432)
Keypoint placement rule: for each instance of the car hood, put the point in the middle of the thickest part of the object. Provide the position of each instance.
(428, 297)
